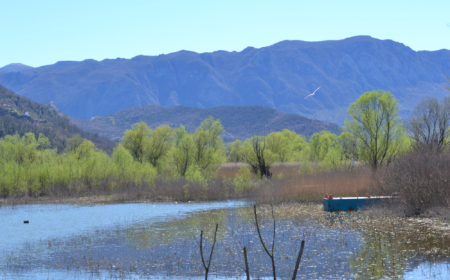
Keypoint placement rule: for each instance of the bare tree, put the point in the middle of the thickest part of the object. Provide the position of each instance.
(429, 125)
(260, 164)
(207, 266)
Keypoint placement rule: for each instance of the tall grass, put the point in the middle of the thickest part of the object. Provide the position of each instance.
(313, 187)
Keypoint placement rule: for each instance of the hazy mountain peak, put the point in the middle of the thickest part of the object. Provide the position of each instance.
(14, 67)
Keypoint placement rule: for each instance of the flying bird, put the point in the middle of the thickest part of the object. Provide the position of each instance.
(313, 93)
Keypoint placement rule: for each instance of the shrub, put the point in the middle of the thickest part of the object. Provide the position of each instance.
(421, 180)
(243, 180)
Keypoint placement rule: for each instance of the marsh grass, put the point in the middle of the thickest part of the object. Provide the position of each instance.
(287, 184)
(313, 187)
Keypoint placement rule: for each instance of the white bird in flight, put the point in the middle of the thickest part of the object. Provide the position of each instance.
(312, 94)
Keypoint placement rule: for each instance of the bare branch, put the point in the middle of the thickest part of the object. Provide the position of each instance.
(271, 255)
(206, 267)
(273, 236)
(247, 271)
(299, 258)
(214, 244)
(259, 232)
(201, 250)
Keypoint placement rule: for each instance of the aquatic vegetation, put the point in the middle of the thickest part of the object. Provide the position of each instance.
(355, 245)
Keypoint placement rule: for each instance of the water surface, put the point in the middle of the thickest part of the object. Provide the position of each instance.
(161, 241)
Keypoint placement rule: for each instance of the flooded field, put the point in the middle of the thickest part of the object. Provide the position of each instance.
(161, 241)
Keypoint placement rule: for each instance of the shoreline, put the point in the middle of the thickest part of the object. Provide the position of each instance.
(85, 200)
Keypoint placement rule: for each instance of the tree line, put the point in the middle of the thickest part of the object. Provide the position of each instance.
(373, 135)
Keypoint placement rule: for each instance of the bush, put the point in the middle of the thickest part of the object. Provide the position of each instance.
(243, 180)
(421, 181)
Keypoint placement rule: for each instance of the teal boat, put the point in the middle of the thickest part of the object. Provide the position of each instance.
(351, 203)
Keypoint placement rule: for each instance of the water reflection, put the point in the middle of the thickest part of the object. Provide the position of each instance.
(394, 246)
(166, 246)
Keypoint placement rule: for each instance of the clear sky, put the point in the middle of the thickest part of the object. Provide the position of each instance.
(40, 32)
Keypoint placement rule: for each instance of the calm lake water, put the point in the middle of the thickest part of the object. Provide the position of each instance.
(161, 241)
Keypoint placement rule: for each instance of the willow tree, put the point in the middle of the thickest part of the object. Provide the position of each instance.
(158, 144)
(375, 124)
(135, 138)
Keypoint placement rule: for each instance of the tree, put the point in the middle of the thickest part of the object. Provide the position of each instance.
(158, 144)
(349, 145)
(257, 156)
(429, 124)
(208, 144)
(134, 140)
(374, 122)
(73, 143)
(233, 151)
(321, 143)
(183, 154)
(286, 145)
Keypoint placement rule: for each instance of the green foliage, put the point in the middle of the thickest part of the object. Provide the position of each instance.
(286, 145)
(321, 144)
(243, 180)
(195, 175)
(257, 156)
(73, 142)
(134, 140)
(233, 151)
(28, 167)
(157, 145)
(197, 156)
(376, 126)
(183, 154)
(209, 148)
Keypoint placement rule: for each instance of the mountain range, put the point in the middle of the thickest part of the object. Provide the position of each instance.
(278, 76)
(239, 122)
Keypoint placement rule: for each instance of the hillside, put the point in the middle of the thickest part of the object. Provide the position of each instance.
(277, 76)
(238, 122)
(20, 115)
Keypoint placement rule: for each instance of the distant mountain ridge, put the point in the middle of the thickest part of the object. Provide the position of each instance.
(19, 115)
(238, 122)
(14, 67)
(278, 76)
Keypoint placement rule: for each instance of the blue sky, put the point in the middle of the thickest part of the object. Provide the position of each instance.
(43, 32)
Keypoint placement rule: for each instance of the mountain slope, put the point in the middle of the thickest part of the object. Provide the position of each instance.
(21, 115)
(14, 67)
(238, 122)
(277, 76)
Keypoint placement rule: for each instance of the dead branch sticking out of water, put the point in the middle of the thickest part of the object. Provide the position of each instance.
(247, 271)
(206, 267)
(270, 254)
(299, 258)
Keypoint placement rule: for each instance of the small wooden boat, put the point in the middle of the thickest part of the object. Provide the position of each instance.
(331, 203)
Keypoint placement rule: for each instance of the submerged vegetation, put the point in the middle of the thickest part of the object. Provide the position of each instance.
(356, 245)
